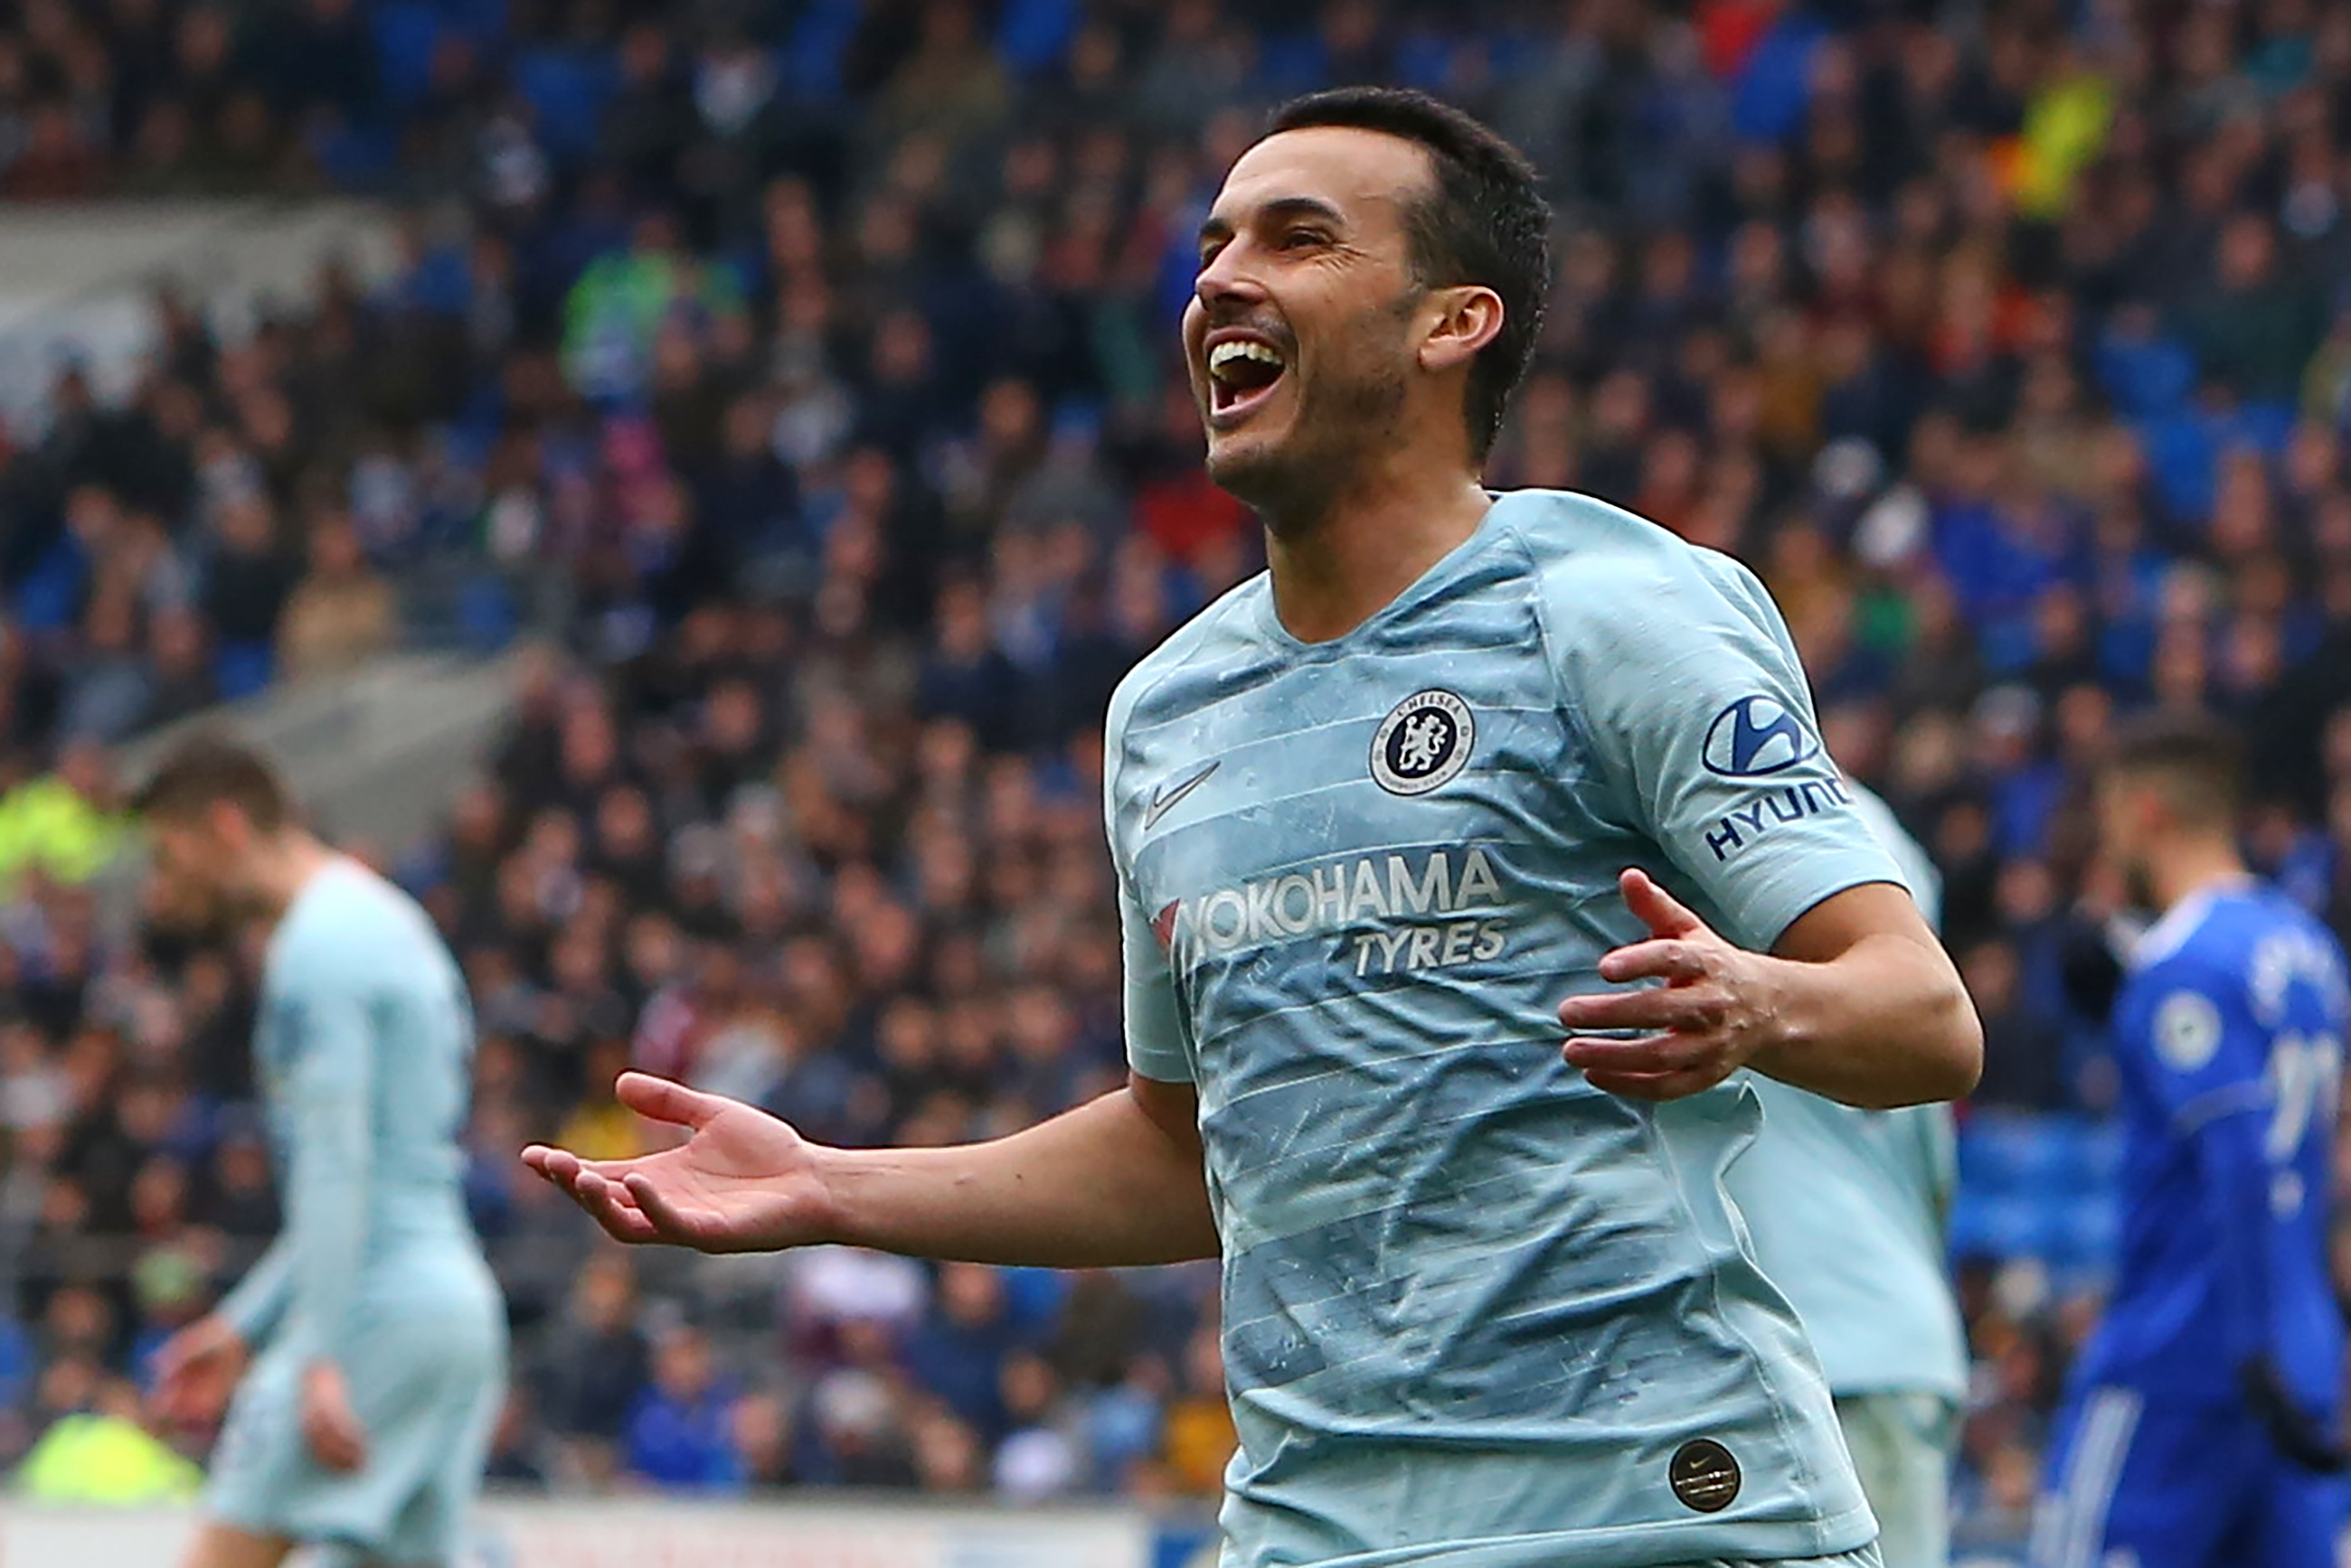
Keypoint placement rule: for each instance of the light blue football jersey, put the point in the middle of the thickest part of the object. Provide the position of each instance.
(1847, 1207)
(1478, 1313)
(364, 1048)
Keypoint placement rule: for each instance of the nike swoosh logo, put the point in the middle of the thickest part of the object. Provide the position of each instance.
(1163, 798)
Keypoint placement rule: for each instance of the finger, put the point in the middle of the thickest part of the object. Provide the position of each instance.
(669, 1222)
(1668, 958)
(610, 1205)
(1657, 1086)
(556, 1166)
(565, 1169)
(1654, 906)
(1652, 1009)
(664, 1100)
(1650, 1053)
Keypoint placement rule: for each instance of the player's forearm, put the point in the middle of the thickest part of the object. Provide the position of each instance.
(258, 1301)
(1884, 1023)
(1103, 1186)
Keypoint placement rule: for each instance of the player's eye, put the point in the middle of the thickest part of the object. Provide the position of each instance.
(1303, 240)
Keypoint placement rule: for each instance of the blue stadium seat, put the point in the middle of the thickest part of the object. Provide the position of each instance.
(484, 20)
(2101, 1156)
(406, 33)
(241, 669)
(810, 60)
(568, 88)
(1291, 63)
(2144, 377)
(1033, 34)
(2005, 1152)
(1424, 60)
(2011, 1225)
(485, 613)
(2266, 426)
(2085, 1226)
(2181, 453)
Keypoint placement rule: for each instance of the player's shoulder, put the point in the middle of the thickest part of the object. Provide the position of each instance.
(2221, 928)
(1589, 558)
(1225, 627)
(2205, 963)
(350, 921)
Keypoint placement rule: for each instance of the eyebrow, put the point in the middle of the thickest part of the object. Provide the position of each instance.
(1218, 227)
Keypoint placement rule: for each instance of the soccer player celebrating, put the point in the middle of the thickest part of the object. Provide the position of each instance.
(1846, 1208)
(363, 1423)
(1372, 815)
(2200, 1426)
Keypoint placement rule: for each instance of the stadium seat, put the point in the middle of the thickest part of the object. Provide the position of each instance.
(485, 613)
(809, 62)
(567, 87)
(1033, 35)
(406, 33)
(2144, 377)
(241, 669)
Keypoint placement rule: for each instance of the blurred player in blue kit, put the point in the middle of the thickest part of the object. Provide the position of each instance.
(2202, 1426)
(375, 1334)
(1372, 815)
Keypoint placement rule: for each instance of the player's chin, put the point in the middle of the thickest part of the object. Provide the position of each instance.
(1249, 462)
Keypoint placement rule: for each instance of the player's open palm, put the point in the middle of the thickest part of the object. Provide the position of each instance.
(742, 1181)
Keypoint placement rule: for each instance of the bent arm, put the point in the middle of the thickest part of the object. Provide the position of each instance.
(1868, 1008)
(1116, 1182)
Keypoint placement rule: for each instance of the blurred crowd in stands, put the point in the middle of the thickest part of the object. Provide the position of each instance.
(823, 352)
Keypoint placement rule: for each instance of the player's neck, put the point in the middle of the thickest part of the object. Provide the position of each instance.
(2189, 869)
(285, 868)
(1337, 567)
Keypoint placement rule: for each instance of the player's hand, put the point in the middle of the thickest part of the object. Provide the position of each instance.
(1716, 1009)
(2295, 1432)
(330, 1425)
(742, 1182)
(196, 1371)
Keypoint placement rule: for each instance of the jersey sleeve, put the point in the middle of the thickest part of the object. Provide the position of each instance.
(258, 1303)
(1683, 677)
(1155, 1030)
(2188, 1037)
(330, 1165)
(1153, 1022)
(2192, 1043)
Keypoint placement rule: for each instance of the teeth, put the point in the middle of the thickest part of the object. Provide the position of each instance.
(1226, 354)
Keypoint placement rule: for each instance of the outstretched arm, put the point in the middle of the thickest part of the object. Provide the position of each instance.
(1857, 1002)
(1115, 1181)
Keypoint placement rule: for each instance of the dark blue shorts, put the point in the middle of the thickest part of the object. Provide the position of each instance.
(2132, 1485)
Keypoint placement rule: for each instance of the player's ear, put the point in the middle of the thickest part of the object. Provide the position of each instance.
(1468, 316)
(226, 825)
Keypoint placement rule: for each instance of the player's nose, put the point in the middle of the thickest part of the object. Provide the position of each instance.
(1227, 286)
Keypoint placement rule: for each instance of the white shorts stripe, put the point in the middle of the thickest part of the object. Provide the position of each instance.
(2069, 1536)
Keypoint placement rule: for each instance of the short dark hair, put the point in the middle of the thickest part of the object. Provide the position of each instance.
(209, 768)
(1487, 224)
(2196, 760)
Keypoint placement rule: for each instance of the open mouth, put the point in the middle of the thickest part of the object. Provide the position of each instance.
(1242, 373)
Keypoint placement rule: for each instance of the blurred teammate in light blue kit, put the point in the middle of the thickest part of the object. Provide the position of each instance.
(1459, 774)
(1846, 1208)
(376, 1337)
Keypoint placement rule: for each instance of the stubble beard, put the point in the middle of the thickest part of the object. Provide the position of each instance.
(1341, 425)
